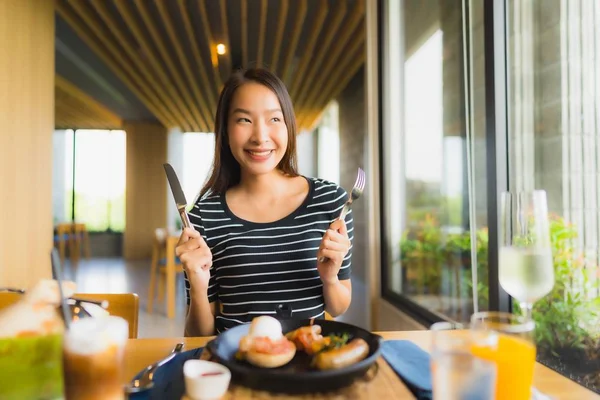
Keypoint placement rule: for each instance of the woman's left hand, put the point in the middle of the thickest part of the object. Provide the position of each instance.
(334, 247)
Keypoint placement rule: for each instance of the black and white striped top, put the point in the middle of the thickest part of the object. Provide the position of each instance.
(258, 266)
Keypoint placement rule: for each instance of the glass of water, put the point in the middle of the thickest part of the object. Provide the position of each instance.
(458, 374)
(526, 268)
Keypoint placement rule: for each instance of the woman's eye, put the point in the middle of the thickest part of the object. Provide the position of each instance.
(246, 120)
(275, 119)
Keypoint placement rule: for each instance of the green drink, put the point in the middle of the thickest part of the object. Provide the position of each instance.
(31, 367)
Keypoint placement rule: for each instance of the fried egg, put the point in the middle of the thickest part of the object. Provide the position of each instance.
(265, 326)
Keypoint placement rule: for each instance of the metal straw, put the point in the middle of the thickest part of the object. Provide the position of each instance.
(57, 271)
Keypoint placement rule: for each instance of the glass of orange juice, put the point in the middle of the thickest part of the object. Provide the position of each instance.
(507, 340)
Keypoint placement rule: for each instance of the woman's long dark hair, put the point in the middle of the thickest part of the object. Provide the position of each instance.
(225, 171)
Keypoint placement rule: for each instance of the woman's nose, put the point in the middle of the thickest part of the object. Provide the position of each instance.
(260, 133)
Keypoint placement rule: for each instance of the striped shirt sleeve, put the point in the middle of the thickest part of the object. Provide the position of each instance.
(346, 268)
(213, 287)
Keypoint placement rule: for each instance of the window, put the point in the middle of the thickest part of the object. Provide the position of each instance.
(191, 155)
(328, 144)
(435, 169)
(437, 186)
(89, 178)
(554, 139)
(198, 152)
(306, 150)
(319, 150)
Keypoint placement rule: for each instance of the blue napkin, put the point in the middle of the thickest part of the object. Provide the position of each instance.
(168, 379)
(412, 364)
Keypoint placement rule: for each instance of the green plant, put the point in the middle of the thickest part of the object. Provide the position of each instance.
(460, 244)
(425, 252)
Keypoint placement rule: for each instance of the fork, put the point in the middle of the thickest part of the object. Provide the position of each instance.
(357, 190)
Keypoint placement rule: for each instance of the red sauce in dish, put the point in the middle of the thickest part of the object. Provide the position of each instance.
(213, 373)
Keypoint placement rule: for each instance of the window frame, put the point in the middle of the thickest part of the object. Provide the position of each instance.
(496, 131)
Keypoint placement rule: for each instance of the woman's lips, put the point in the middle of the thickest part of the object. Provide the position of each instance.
(259, 155)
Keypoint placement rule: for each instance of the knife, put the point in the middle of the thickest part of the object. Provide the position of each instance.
(178, 195)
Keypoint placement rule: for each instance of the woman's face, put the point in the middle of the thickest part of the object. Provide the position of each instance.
(258, 136)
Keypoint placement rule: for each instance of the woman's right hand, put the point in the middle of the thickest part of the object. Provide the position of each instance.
(196, 258)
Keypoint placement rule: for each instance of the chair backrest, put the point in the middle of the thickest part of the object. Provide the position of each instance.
(8, 299)
(79, 228)
(124, 305)
(64, 229)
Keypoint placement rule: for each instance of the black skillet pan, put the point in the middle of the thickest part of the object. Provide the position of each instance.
(297, 376)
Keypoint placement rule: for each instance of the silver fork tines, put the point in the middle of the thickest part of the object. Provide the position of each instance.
(357, 191)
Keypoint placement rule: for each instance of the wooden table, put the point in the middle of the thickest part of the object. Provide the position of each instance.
(385, 385)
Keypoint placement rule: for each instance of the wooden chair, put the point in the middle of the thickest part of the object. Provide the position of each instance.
(74, 235)
(124, 305)
(8, 299)
(62, 238)
(163, 260)
(81, 241)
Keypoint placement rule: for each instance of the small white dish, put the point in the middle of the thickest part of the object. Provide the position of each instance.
(205, 380)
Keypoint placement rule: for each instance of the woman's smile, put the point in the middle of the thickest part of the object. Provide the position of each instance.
(259, 154)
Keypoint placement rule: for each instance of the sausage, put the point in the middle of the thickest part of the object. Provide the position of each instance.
(350, 353)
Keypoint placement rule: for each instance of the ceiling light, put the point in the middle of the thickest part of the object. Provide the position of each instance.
(221, 49)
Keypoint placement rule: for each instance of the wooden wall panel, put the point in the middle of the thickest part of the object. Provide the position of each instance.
(146, 200)
(26, 126)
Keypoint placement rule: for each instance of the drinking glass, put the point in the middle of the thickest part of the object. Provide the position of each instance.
(526, 269)
(456, 373)
(507, 340)
(93, 357)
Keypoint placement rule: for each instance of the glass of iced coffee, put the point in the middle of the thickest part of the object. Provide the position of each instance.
(93, 356)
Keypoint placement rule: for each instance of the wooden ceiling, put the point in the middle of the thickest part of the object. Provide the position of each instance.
(165, 51)
(76, 109)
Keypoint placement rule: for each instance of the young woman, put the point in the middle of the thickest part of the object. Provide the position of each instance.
(261, 229)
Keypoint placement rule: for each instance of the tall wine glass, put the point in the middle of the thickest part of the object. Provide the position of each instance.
(526, 269)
